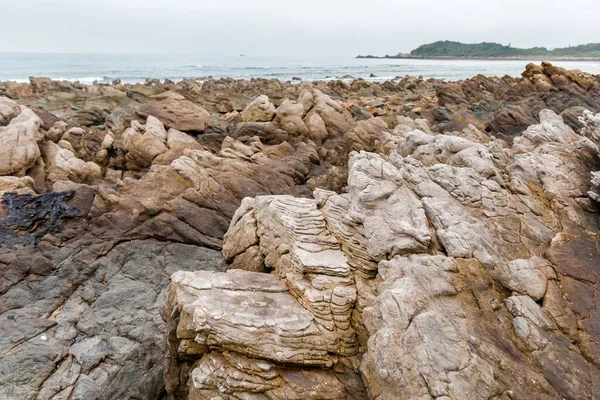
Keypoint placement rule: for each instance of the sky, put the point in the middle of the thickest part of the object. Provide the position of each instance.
(288, 27)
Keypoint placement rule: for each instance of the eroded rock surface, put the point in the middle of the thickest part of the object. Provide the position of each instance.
(452, 255)
(450, 269)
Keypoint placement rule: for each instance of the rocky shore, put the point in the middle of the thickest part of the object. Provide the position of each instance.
(258, 239)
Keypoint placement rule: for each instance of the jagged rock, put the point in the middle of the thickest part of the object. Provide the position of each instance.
(58, 129)
(336, 117)
(409, 268)
(267, 132)
(457, 223)
(223, 314)
(316, 127)
(591, 129)
(366, 132)
(410, 322)
(179, 141)
(527, 276)
(101, 304)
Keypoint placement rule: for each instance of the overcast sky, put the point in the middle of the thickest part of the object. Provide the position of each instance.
(288, 27)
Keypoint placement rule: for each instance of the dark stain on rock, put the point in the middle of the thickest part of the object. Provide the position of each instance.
(27, 218)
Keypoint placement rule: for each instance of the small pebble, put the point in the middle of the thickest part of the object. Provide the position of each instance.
(496, 305)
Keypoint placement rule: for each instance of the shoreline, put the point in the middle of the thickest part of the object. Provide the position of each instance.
(533, 58)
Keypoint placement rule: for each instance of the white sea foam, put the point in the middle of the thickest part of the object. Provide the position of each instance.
(136, 68)
(85, 79)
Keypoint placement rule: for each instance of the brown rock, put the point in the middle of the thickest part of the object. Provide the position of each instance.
(174, 111)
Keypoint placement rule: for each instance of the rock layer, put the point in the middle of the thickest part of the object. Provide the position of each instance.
(460, 240)
(450, 269)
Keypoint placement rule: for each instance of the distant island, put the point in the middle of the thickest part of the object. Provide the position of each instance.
(456, 50)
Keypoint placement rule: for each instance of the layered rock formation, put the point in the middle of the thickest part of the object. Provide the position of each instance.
(450, 269)
(449, 255)
(92, 225)
(591, 128)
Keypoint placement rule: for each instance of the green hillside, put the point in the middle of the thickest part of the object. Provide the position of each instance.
(484, 50)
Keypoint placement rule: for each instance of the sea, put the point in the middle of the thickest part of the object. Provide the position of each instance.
(130, 68)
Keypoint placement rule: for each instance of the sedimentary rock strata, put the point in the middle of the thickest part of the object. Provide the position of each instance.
(407, 239)
(445, 259)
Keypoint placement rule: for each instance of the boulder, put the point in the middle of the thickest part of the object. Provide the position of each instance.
(19, 139)
(174, 111)
(144, 143)
(8, 110)
(260, 110)
(63, 164)
(289, 117)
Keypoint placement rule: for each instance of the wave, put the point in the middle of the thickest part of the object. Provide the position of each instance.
(85, 79)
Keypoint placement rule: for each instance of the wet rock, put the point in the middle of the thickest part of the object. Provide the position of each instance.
(30, 217)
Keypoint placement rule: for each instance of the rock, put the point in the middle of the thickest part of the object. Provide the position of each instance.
(260, 110)
(174, 111)
(110, 322)
(89, 352)
(338, 120)
(267, 132)
(180, 141)
(409, 268)
(289, 116)
(527, 276)
(317, 130)
(263, 378)
(591, 129)
(242, 291)
(8, 110)
(316, 272)
(62, 164)
(19, 142)
(90, 117)
(452, 256)
(571, 116)
(144, 143)
(22, 185)
(366, 133)
(56, 132)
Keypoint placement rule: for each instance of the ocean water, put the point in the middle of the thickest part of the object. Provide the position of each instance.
(87, 68)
